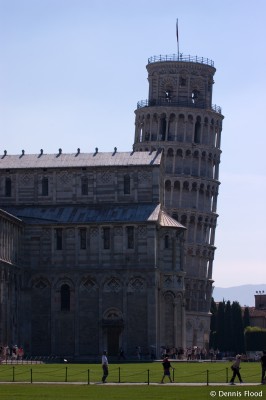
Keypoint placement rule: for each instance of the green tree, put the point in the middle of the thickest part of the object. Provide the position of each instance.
(213, 310)
(228, 344)
(238, 342)
(246, 319)
(220, 326)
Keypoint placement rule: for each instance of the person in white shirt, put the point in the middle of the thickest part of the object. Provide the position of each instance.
(104, 366)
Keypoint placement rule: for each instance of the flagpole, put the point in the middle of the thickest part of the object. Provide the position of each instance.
(177, 38)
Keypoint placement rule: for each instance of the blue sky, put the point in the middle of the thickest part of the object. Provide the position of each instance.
(72, 71)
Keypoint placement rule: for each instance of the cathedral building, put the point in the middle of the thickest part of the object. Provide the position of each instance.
(109, 250)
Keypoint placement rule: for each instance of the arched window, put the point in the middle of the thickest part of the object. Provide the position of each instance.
(59, 239)
(166, 242)
(8, 187)
(126, 184)
(197, 130)
(65, 297)
(163, 127)
(106, 238)
(45, 186)
(83, 238)
(130, 237)
(84, 186)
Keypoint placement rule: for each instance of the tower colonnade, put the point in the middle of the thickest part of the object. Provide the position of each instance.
(183, 126)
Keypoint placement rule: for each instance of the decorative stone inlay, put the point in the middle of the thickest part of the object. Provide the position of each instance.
(168, 281)
(113, 285)
(118, 231)
(142, 231)
(136, 285)
(27, 179)
(65, 177)
(40, 285)
(144, 176)
(70, 233)
(94, 232)
(106, 177)
(90, 285)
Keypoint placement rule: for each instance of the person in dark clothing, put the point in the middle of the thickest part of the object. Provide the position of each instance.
(166, 369)
(263, 367)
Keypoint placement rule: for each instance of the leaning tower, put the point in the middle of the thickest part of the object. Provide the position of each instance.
(179, 118)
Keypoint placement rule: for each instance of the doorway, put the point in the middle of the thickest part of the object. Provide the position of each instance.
(113, 334)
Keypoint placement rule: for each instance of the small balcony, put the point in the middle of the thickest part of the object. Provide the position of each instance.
(190, 103)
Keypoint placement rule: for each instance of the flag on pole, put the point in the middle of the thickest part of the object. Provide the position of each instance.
(177, 38)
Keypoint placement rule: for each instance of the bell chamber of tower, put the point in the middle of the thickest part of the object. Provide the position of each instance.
(179, 118)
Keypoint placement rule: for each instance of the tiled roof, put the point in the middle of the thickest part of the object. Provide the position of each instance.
(6, 215)
(166, 220)
(86, 214)
(78, 159)
(131, 213)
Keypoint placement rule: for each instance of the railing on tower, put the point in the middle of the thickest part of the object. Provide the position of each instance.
(181, 57)
(177, 103)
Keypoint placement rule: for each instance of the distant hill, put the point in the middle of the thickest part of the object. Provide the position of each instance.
(244, 294)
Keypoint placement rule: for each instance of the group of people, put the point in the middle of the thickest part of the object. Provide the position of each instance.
(167, 368)
(190, 353)
(11, 353)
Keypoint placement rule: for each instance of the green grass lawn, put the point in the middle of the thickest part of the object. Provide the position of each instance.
(97, 392)
(125, 373)
(132, 373)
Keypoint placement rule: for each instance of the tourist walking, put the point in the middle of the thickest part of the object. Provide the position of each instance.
(236, 370)
(104, 366)
(263, 367)
(166, 369)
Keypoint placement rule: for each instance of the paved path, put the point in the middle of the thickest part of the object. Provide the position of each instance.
(137, 384)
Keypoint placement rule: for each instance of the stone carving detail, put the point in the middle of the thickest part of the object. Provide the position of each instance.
(40, 285)
(172, 281)
(90, 285)
(65, 178)
(143, 176)
(118, 231)
(168, 281)
(106, 177)
(70, 233)
(94, 232)
(142, 231)
(112, 314)
(136, 285)
(27, 178)
(113, 285)
(169, 298)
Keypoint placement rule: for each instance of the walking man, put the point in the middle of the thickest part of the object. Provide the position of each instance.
(104, 366)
